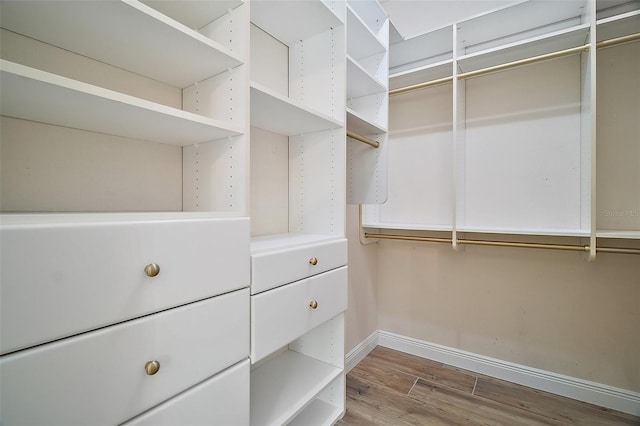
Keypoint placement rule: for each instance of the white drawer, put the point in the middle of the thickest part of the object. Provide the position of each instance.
(274, 267)
(59, 279)
(99, 378)
(281, 315)
(222, 400)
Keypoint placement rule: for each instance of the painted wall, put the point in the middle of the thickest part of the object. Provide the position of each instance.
(545, 309)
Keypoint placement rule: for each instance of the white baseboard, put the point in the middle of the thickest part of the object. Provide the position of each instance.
(363, 348)
(583, 390)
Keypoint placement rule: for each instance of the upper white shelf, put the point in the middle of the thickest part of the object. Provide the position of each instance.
(36, 95)
(272, 112)
(539, 45)
(360, 125)
(618, 26)
(360, 82)
(290, 21)
(518, 22)
(361, 42)
(297, 379)
(372, 15)
(128, 35)
(421, 51)
(193, 14)
(422, 74)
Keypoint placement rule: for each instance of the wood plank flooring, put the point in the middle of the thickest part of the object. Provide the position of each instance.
(393, 388)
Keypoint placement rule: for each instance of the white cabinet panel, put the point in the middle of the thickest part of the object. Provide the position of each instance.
(272, 268)
(286, 313)
(100, 377)
(59, 279)
(222, 400)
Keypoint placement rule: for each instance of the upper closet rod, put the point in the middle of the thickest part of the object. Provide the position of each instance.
(363, 139)
(565, 247)
(508, 65)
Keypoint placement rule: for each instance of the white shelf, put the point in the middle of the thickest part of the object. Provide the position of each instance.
(282, 387)
(272, 112)
(359, 124)
(372, 16)
(423, 50)
(265, 243)
(36, 95)
(21, 219)
(129, 35)
(551, 232)
(423, 74)
(518, 22)
(627, 235)
(409, 226)
(361, 42)
(290, 21)
(618, 26)
(360, 82)
(548, 43)
(318, 413)
(193, 14)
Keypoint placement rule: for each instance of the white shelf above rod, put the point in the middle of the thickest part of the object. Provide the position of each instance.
(509, 65)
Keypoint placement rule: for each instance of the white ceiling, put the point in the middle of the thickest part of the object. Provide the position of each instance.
(415, 17)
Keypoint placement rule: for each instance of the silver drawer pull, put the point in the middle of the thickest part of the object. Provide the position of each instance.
(313, 261)
(313, 304)
(152, 269)
(152, 367)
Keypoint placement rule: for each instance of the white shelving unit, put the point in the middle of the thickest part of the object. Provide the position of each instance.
(163, 85)
(517, 151)
(124, 118)
(367, 100)
(298, 162)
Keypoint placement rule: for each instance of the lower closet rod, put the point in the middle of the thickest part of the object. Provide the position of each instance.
(565, 247)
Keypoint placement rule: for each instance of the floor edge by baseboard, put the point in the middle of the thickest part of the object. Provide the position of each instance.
(583, 390)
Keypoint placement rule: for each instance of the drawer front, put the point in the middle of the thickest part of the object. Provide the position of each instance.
(222, 401)
(275, 268)
(100, 377)
(63, 279)
(281, 315)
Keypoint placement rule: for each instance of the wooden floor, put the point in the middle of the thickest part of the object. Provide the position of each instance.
(394, 388)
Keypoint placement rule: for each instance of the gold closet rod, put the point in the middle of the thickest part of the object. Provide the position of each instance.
(363, 139)
(565, 247)
(509, 65)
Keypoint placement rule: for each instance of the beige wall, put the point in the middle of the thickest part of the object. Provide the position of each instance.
(551, 310)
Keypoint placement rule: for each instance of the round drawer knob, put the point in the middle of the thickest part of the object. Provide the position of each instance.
(152, 367)
(313, 261)
(152, 269)
(313, 304)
